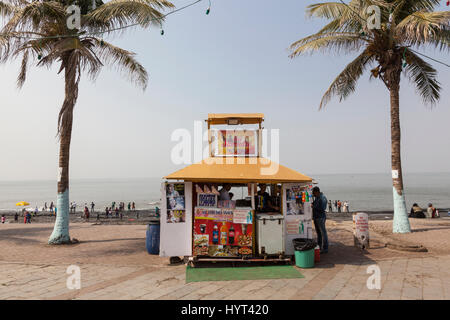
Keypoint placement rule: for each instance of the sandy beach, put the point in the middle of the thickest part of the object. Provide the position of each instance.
(116, 265)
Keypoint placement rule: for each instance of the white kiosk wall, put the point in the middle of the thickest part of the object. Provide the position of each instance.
(295, 225)
(176, 234)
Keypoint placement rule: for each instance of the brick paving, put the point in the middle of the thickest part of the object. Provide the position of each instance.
(115, 265)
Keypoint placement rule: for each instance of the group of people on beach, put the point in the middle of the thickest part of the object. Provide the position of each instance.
(417, 212)
(117, 210)
(339, 206)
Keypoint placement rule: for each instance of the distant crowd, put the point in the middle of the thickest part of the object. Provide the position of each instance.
(115, 209)
(339, 206)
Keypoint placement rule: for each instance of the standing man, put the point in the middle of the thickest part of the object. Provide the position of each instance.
(330, 206)
(319, 216)
(92, 206)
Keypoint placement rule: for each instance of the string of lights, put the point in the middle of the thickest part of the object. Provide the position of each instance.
(443, 63)
(17, 34)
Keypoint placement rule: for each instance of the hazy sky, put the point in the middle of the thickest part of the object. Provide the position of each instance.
(233, 60)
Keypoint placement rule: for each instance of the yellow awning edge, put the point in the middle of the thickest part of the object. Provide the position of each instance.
(238, 170)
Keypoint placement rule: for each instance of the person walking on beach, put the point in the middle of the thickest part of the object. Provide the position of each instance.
(86, 213)
(133, 206)
(113, 205)
(92, 206)
(330, 206)
(51, 207)
(319, 215)
(345, 207)
(3, 218)
(45, 206)
(339, 205)
(16, 217)
(129, 206)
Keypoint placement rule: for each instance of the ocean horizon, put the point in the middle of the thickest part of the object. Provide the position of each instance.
(368, 191)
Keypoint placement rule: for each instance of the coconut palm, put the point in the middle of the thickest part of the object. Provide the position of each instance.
(405, 24)
(37, 31)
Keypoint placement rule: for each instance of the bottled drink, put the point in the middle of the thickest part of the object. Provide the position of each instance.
(231, 235)
(215, 235)
(223, 234)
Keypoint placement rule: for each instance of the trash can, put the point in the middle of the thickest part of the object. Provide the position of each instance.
(304, 252)
(152, 241)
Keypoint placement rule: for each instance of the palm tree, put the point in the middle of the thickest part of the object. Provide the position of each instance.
(38, 32)
(405, 24)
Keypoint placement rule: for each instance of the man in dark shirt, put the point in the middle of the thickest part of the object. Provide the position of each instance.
(267, 205)
(319, 216)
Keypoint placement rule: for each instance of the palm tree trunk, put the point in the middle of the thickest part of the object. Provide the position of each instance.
(60, 232)
(401, 222)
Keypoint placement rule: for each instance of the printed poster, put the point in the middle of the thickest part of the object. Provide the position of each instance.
(176, 209)
(296, 226)
(242, 216)
(236, 143)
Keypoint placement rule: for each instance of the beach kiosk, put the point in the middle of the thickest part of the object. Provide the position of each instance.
(235, 204)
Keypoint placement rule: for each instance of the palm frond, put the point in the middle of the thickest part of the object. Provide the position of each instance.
(345, 82)
(33, 14)
(421, 28)
(6, 9)
(119, 13)
(423, 76)
(23, 70)
(339, 41)
(123, 60)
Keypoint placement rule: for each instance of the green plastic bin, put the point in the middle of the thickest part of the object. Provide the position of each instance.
(304, 259)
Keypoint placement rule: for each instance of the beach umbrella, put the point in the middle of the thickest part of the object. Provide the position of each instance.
(22, 203)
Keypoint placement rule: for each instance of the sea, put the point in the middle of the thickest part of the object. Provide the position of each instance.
(364, 192)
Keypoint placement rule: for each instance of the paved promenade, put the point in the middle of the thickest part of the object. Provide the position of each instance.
(114, 265)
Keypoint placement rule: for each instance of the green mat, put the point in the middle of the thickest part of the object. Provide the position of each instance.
(241, 273)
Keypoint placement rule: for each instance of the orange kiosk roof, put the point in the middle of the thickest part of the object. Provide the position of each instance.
(238, 170)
